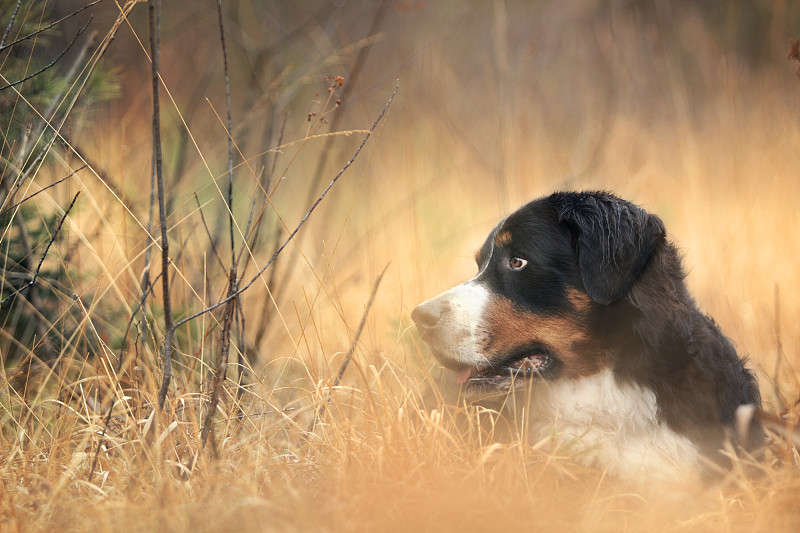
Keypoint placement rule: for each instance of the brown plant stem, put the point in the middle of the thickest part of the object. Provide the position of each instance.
(47, 249)
(350, 84)
(299, 225)
(230, 139)
(53, 62)
(169, 328)
(222, 360)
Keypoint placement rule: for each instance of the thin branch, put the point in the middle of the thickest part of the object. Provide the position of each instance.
(208, 232)
(147, 253)
(252, 237)
(169, 328)
(242, 371)
(146, 285)
(353, 345)
(10, 24)
(300, 225)
(40, 30)
(266, 314)
(228, 317)
(7, 209)
(222, 360)
(146, 292)
(360, 328)
(64, 51)
(264, 203)
(47, 249)
(351, 82)
(277, 153)
(230, 139)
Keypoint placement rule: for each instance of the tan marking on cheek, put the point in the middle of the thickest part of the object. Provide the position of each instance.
(509, 328)
(503, 238)
(580, 300)
(478, 256)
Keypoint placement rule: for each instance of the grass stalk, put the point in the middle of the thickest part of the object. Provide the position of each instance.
(169, 328)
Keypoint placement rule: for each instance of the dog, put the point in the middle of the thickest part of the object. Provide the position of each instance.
(580, 310)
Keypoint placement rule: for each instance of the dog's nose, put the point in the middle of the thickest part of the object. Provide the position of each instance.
(427, 315)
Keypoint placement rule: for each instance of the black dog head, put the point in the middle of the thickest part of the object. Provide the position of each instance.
(545, 272)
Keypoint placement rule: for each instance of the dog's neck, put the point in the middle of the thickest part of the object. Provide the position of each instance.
(607, 424)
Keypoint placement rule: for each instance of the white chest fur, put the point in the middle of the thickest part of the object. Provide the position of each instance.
(611, 426)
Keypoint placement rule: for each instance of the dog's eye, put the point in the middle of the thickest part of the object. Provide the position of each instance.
(517, 263)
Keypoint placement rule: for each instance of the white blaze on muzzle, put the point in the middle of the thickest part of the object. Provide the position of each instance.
(451, 324)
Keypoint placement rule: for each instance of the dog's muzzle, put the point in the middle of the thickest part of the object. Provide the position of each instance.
(427, 316)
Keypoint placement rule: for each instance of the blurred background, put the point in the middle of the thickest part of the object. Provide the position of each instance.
(687, 108)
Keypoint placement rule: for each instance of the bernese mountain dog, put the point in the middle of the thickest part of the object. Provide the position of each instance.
(580, 311)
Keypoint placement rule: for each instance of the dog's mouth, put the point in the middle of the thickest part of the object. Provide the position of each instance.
(533, 362)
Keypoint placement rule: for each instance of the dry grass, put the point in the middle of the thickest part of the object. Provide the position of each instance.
(656, 110)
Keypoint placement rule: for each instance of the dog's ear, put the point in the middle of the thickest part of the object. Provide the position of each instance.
(613, 240)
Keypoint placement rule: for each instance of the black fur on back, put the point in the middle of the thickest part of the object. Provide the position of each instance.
(654, 332)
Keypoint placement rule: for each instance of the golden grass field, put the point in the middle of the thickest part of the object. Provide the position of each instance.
(498, 103)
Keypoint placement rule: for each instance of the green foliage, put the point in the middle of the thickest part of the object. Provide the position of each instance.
(25, 149)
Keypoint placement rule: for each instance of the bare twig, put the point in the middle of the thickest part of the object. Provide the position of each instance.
(353, 345)
(10, 24)
(299, 225)
(47, 249)
(222, 361)
(228, 317)
(208, 232)
(64, 51)
(169, 328)
(146, 292)
(43, 29)
(276, 154)
(266, 314)
(147, 253)
(230, 138)
(242, 373)
(360, 328)
(7, 209)
(351, 80)
(263, 204)
(146, 285)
